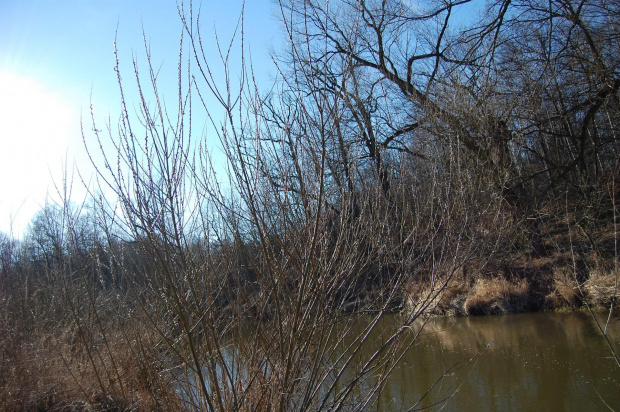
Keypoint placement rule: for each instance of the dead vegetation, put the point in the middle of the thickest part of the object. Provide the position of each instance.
(574, 272)
(372, 177)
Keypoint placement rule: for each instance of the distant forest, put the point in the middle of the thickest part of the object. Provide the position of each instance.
(410, 157)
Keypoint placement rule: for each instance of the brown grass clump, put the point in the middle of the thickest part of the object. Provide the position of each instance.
(601, 289)
(452, 300)
(566, 290)
(498, 296)
(597, 287)
(60, 370)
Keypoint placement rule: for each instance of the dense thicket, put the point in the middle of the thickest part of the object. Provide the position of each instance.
(403, 147)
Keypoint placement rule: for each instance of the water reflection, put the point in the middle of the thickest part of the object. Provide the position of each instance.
(540, 361)
(519, 362)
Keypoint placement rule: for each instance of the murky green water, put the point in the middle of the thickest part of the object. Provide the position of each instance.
(529, 362)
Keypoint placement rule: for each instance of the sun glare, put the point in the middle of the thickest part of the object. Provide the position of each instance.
(35, 128)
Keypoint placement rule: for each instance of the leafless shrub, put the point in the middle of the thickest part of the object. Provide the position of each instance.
(390, 157)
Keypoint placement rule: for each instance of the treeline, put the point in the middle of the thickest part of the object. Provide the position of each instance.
(404, 158)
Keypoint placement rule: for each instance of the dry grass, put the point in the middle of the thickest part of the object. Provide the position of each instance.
(519, 281)
(497, 296)
(601, 289)
(59, 370)
(565, 291)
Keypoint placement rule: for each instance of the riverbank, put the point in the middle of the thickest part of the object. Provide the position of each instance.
(524, 284)
(127, 343)
(41, 368)
(564, 261)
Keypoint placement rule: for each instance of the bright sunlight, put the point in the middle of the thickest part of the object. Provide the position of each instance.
(35, 125)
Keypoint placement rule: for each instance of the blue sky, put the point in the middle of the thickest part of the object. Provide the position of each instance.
(56, 54)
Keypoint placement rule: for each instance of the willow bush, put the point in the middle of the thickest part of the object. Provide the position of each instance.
(395, 150)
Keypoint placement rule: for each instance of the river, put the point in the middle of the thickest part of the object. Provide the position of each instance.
(527, 362)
